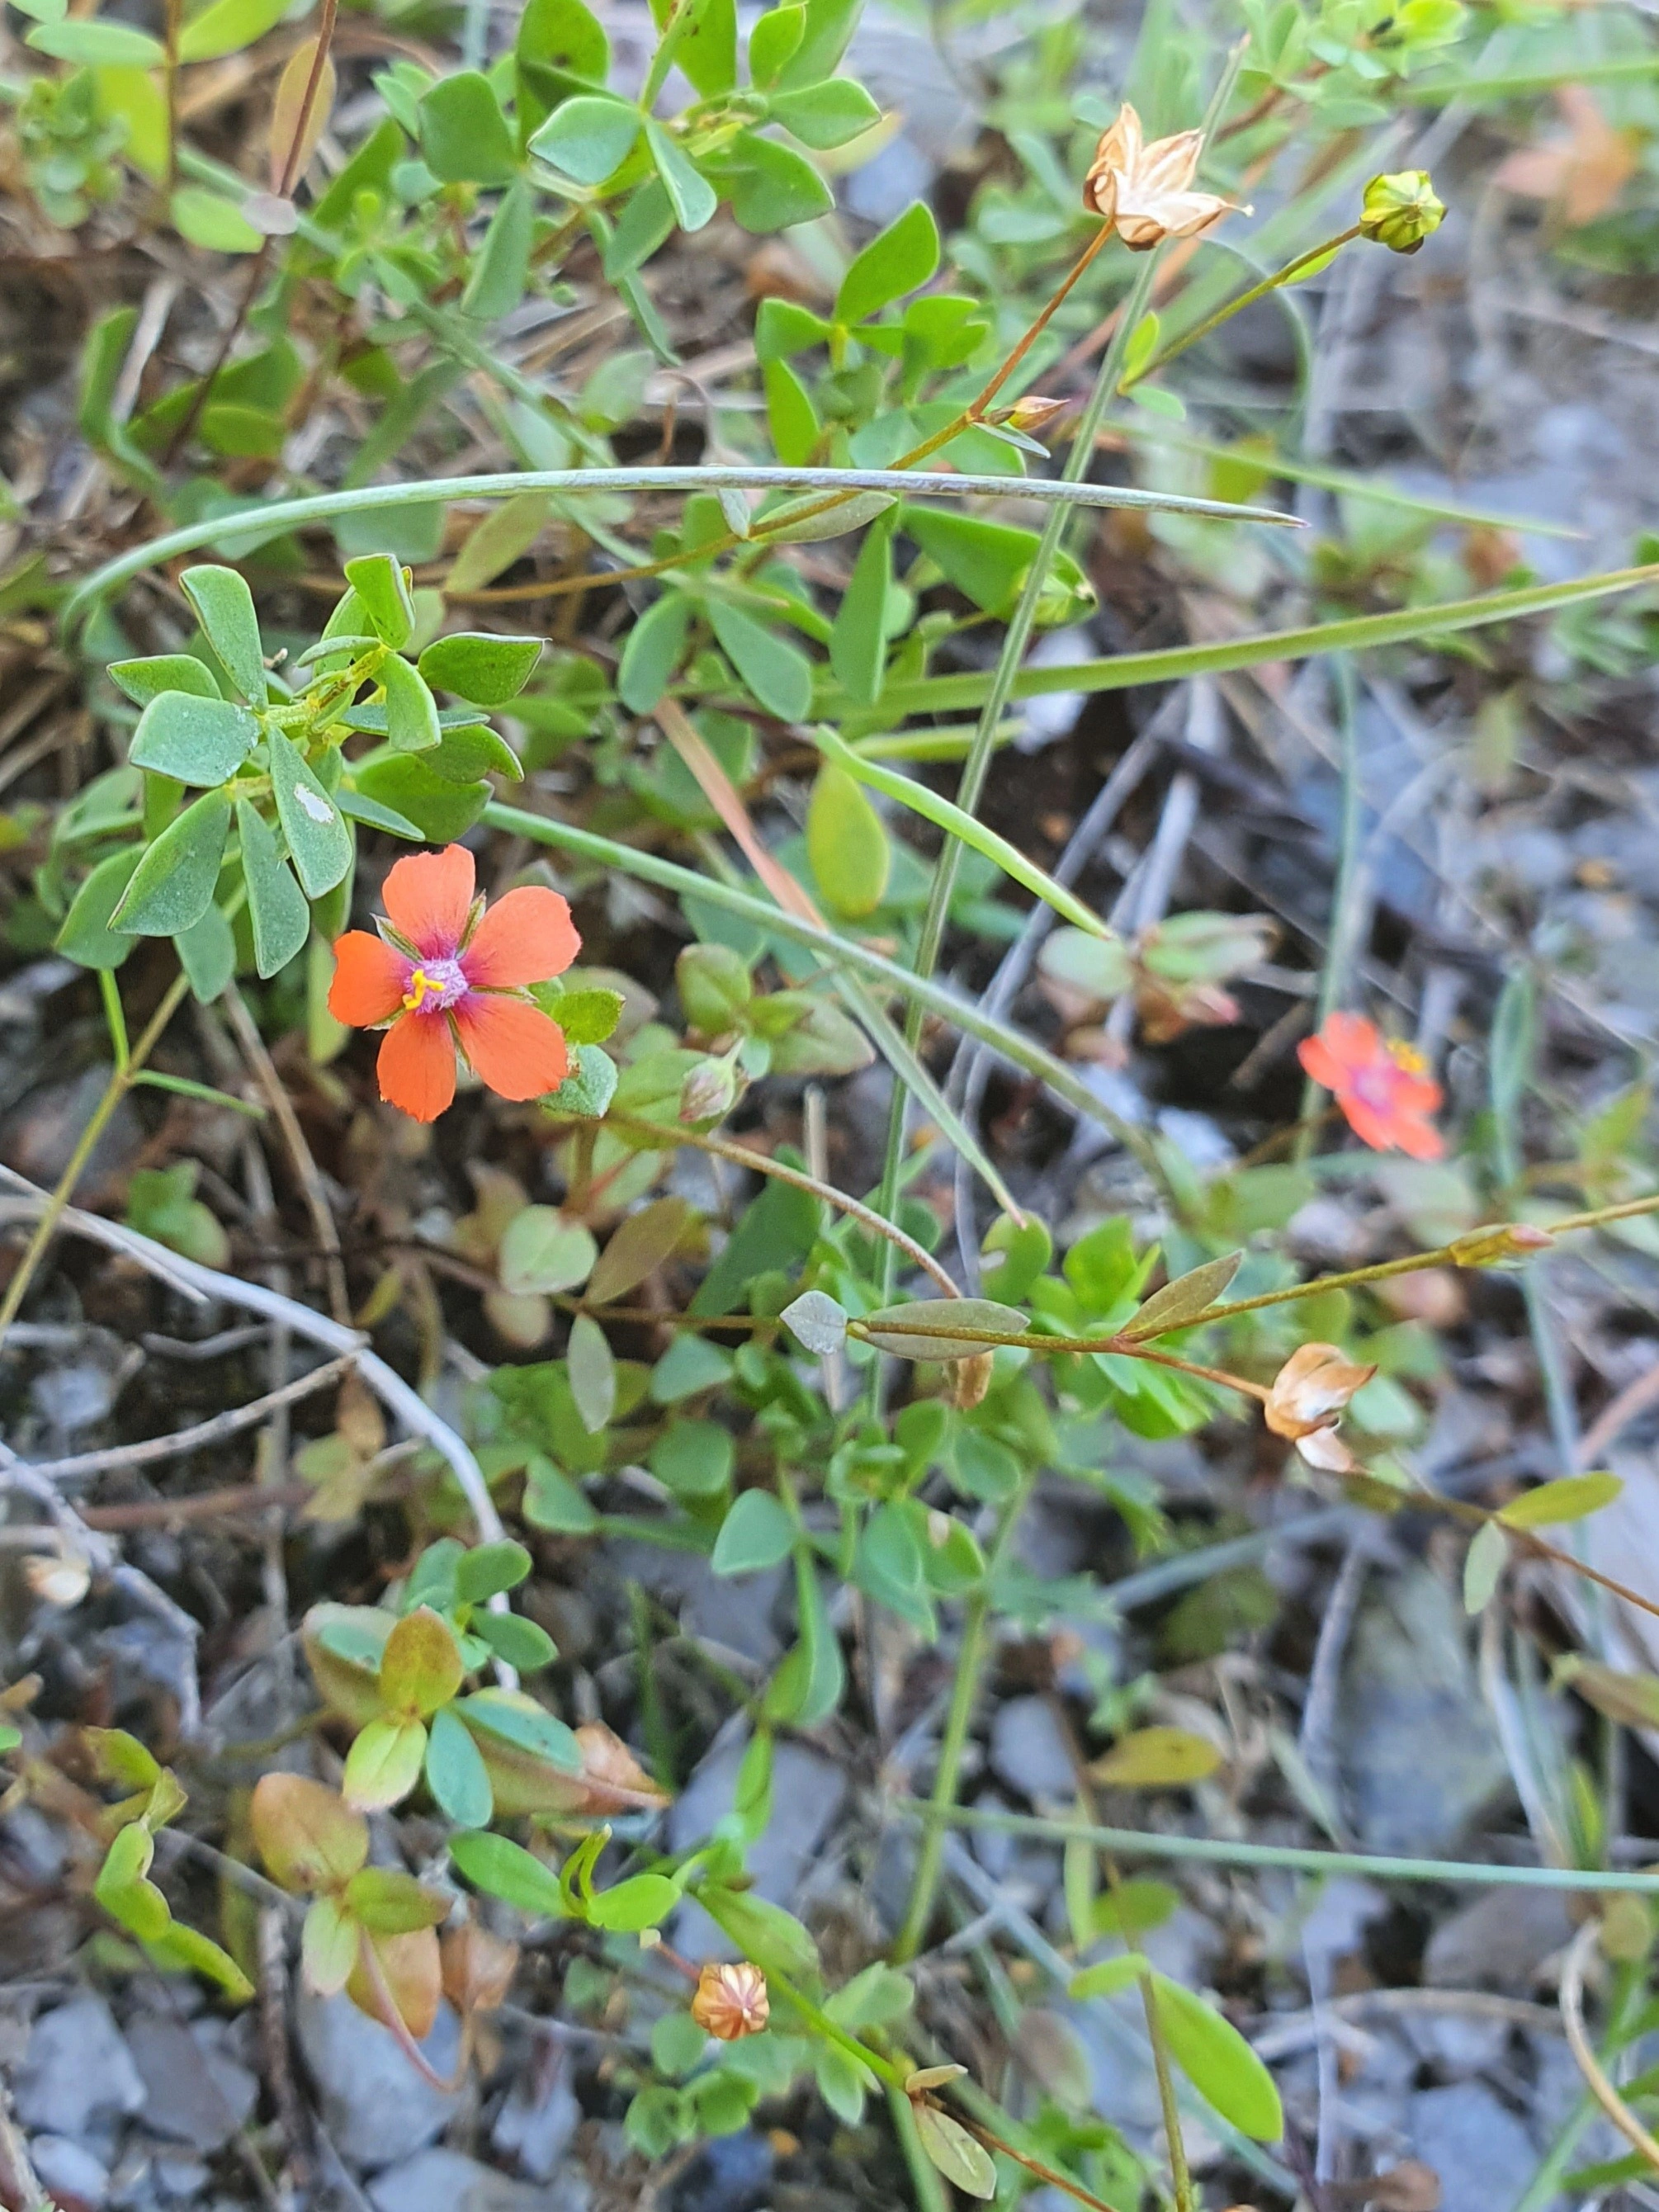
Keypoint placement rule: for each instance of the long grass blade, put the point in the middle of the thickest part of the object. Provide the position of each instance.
(953, 695)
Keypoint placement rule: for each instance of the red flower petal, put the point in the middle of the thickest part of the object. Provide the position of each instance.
(428, 898)
(524, 937)
(416, 1066)
(369, 982)
(1319, 1061)
(512, 1045)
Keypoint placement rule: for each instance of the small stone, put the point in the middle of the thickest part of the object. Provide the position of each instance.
(1028, 1752)
(76, 2071)
(1419, 1754)
(376, 2107)
(198, 2094)
(179, 2179)
(69, 2172)
(732, 2174)
(1499, 1942)
(448, 2181)
(539, 2117)
(808, 1791)
(1480, 2151)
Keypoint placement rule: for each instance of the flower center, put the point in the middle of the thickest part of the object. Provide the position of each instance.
(434, 987)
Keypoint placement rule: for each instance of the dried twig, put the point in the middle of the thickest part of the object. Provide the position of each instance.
(1572, 2019)
(180, 1441)
(401, 1402)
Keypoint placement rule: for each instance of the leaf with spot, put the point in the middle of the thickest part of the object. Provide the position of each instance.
(318, 838)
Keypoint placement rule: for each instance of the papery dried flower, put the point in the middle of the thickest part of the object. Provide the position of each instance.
(1310, 1390)
(1324, 1451)
(447, 976)
(1402, 210)
(477, 1967)
(1145, 192)
(731, 2001)
(611, 1775)
(969, 1380)
(1382, 1085)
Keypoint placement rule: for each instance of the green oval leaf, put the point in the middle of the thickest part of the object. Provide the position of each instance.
(480, 667)
(587, 138)
(456, 1774)
(1218, 2063)
(503, 1869)
(965, 2162)
(847, 844)
(198, 741)
(1573, 1498)
(542, 1253)
(899, 1329)
(755, 1534)
(317, 839)
(224, 607)
(411, 712)
(171, 887)
(1180, 1303)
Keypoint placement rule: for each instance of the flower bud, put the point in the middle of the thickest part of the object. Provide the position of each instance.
(1028, 415)
(1490, 1248)
(710, 1090)
(1399, 211)
(731, 2001)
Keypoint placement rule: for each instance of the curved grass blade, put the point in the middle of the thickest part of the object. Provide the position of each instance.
(946, 816)
(272, 520)
(838, 953)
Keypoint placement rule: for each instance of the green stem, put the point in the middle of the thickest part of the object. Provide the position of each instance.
(1333, 981)
(964, 1693)
(976, 767)
(1174, 2142)
(1212, 1850)
(285, 514)
(931, 2195)
(120, 1082)
(1287, 275)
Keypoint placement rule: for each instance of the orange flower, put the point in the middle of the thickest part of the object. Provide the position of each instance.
(1144, 192)
(445, 976)
(731, 2001)
(1382, 1085)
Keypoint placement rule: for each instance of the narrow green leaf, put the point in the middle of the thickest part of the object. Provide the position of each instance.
(1180, 1303)
(966, 2164)
(693, 196)
(277, 907)
(86, 937)
(503, 1869)
(928, 1328)
(1572, 1499)
(847, 844)
(1483, 1566)
(920, 800)
(1218, 2063)
(777, 673)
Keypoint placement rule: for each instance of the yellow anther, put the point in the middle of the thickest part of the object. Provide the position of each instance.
(1407, 1058)
(421, 983)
